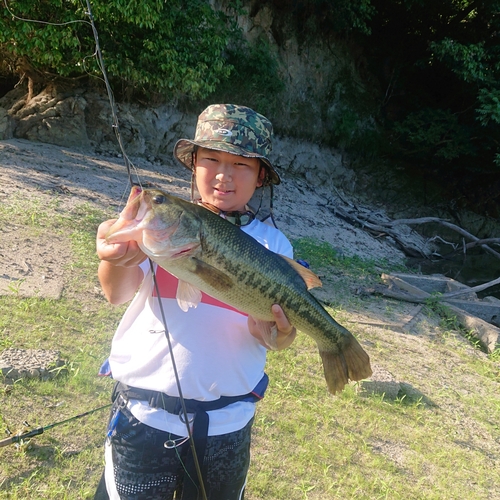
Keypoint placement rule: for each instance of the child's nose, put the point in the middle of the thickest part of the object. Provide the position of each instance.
(224, 171)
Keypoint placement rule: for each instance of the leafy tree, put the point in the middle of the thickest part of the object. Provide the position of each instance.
(173, 47)
(327, 16)
(438, 65)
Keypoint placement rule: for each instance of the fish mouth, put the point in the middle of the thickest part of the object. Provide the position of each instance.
(125, 228)
(138, 222)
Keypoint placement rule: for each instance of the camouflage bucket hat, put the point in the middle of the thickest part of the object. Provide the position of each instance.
(233, 129)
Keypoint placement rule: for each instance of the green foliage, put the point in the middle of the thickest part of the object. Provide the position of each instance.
(317, 254)
(470, 62)
(433, 133)
(173, 48)
(332, 16)
(475, 64)
(321, 255)
(342, 119)
(352, 128)
(489, 106)
(438, 66)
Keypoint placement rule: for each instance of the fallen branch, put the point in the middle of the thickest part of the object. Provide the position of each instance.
(487, 333)
(396, 294)
(458, 229)
(379, 229)
(477, 288)
(409, 293)
(472, 244)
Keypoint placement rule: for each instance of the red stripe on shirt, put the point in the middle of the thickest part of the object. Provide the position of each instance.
(167, 283)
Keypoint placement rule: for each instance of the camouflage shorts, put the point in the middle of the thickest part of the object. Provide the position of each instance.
(145, 469)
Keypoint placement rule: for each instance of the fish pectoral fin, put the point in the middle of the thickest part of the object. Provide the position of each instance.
(310, 279)
(212, 276)
(268, 333)
(187, 295)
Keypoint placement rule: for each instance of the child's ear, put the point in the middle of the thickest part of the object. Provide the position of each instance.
(262, 176)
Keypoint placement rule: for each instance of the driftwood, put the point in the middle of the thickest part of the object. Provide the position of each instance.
(481, 319)
(380, 225)
(449, 225)
(474, 289)
(395, 294)
(472, 244)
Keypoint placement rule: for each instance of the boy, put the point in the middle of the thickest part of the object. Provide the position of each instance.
(219, 352)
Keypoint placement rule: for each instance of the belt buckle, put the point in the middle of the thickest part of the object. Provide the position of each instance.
(181, 417)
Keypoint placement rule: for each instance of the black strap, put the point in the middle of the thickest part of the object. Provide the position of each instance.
(172, 404)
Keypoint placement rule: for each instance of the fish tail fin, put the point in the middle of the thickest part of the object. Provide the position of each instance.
(351, 362)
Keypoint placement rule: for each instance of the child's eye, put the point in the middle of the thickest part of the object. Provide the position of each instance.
(207, 159)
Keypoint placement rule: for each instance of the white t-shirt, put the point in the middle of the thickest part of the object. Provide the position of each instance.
(215, 354)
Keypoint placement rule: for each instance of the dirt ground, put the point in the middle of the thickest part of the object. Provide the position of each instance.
(63, 180)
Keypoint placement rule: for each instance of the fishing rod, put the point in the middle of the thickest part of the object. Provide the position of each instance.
(100, 61)
(17, 438)
(112, 104)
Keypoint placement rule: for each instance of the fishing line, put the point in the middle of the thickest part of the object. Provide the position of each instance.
(162, 312)
(112, 103)
(179, 388)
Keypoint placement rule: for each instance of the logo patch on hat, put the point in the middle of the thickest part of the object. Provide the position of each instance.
(224, 131)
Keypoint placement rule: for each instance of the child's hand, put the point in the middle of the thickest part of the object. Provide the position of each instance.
(127, 254)
(275, 335)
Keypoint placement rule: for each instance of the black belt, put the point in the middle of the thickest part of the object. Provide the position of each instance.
(173, 405)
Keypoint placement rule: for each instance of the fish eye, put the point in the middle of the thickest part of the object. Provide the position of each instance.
(159, 199)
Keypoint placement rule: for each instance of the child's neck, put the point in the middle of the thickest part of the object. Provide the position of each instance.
(238, 218)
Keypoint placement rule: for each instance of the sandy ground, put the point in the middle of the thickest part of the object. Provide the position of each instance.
(61, 179)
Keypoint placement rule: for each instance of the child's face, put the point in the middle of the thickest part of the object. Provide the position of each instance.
(225, 180)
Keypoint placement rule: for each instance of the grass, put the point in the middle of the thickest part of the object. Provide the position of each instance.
(353, 447)
(438, 439)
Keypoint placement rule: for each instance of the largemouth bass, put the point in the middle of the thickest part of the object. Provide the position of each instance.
(207, 253)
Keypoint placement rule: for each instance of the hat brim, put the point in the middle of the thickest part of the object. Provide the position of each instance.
(184, 148)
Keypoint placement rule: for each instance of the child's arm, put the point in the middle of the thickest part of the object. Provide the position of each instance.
(119, 272)
(286, 332)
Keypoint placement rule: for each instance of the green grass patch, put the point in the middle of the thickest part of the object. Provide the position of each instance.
(438, 439)
(320, 255)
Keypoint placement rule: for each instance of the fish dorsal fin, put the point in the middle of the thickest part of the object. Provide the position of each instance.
(187, 295)
(310, 279)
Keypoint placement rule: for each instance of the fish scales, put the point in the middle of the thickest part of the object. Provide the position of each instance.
(259, 277)
(270, 276)
(259, 274)
(213, 255)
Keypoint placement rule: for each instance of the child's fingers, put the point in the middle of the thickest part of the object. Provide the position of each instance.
(282, 323)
